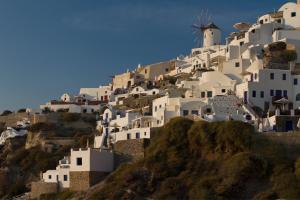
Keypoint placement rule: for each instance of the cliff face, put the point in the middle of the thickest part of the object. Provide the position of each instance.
(22, 159)
(34, 139)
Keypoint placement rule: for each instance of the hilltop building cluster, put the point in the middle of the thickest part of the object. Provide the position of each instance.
(254, 77)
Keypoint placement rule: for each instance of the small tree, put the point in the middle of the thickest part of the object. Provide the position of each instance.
(6, 113)
(46, 110)
(22, 110)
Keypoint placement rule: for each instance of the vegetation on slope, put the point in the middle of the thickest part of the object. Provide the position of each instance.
(20, 166)
(200, 160)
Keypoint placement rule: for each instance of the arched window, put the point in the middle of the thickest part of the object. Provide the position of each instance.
(298, 97)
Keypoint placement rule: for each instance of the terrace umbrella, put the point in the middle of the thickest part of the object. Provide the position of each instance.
(282, 101)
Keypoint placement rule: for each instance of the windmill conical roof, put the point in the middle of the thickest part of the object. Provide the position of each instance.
(210, 25)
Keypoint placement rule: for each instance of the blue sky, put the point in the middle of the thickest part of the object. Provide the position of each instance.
(54, 46)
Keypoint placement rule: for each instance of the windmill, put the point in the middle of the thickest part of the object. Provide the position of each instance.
(198, 27)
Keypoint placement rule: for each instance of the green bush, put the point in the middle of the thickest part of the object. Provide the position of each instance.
(200, 160)
(58, 196)
(289, 55)
(17, 188)
(22, 110)
(277, 46)
(6, 113)
(62, 110)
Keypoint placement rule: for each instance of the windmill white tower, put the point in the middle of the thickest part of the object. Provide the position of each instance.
(211, 35)
(206, 31)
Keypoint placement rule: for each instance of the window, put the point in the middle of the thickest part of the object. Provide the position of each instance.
(79, 161)
(278, 93)
(253, 93)
(145, 71)
(284, 77)
(285, 93)
(137, 136)
(271, 93)
(128, 136)
(279, 21)
(223, 90)
(241, 43)
(253, 31)
(155, 108)
(202, 94)
(167, 70)
(262, 94)
(293, 14)
(137, 89)
(237, 64)
(255, 76)
(295, 81)
(49, 177)
(209, 94)
(272, 76)
(65, 177)
(185, 112)
(145, 133)
(298, 97)
(261, 21)
(195, 112)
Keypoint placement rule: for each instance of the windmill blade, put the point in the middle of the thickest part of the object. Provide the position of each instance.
(196, 26)
(209, 19)
(206, 16)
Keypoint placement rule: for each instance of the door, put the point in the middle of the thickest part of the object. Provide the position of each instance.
(245, 97)
(289, 125)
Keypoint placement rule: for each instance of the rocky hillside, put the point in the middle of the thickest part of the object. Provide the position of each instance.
(23, 158)
(199, 160)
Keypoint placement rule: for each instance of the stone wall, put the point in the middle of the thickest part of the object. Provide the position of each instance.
(129, 151)
(80, 181)
(39, 188)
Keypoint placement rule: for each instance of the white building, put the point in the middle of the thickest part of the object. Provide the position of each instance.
(210, 84)
(61, 175)
(101, 93)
